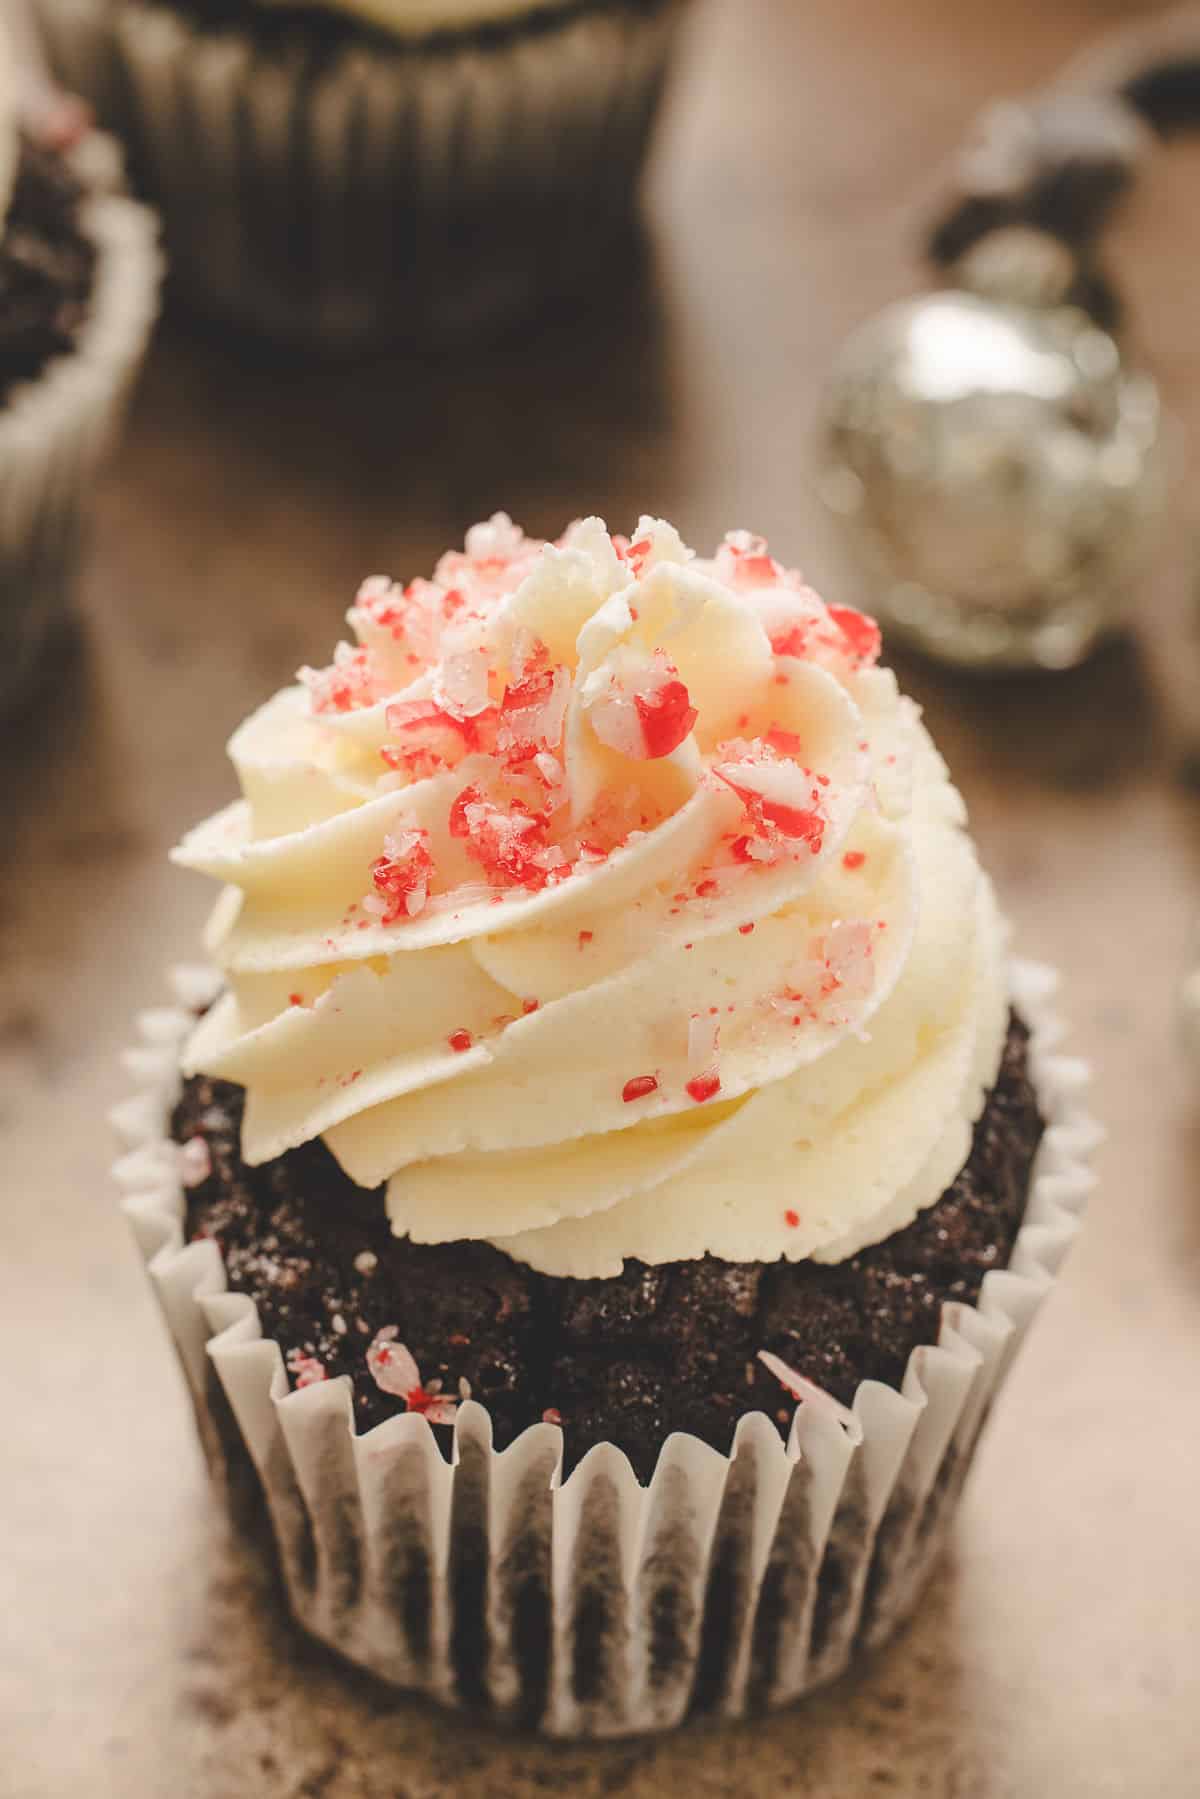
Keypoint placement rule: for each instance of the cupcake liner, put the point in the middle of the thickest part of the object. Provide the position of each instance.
(377, 190)
(55, 428)
(595, 1606)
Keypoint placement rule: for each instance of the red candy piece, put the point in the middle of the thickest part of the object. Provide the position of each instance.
(796, 821)
(402, 875)
(860, 631)
(666, 715)
(431, 734)
(703, 1086)
(646, 712)
(639, 1087)
(770, 812)
(534, 707)
(512, 847)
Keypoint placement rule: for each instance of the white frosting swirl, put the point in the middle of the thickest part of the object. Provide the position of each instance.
(422, 18)
(606, 902)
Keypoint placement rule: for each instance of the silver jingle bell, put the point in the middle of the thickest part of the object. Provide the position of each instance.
(1000, 472)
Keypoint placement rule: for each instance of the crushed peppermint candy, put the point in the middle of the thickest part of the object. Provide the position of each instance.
(782, 801)
(395, 1372)
(401, 877)
(460, 684)
(808, 1392)
(638, 705)
(743, 561)
(511, 843)
(305, 1370)
(195, 1161)
(350, 681)
(860, 631)
(533, 710)
(838, 975)
(431, 738)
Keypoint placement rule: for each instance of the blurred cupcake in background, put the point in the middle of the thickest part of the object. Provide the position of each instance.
(79, 279)
(343, 173)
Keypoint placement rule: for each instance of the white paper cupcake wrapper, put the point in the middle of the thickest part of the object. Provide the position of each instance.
(379, 191)
(596, 1606)
(55, 429)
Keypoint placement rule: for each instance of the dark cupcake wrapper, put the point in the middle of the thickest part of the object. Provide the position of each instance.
(595, 1606)
(374, 191)
(55, 429)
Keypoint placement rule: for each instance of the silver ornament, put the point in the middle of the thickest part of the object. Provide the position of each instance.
(999, 469)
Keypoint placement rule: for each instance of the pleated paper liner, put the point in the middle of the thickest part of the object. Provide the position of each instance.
(55, 429)
(595, 1606)
(381, 191)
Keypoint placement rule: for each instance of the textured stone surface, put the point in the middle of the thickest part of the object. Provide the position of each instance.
(142, 1655)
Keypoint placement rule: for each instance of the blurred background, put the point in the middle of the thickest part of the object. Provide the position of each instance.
(804, 150)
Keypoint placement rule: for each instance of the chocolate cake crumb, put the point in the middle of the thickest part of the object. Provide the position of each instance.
(629, 1359)
(47, 267)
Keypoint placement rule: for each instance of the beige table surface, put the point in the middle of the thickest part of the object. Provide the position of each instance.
(140, 1652)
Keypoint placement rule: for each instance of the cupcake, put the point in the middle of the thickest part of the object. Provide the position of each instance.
(79, 276)
(613, 1160)
(353, 172)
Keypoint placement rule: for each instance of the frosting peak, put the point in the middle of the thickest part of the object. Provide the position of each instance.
(578, 899)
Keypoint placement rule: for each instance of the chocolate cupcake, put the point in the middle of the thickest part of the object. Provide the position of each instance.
(616, 1159)
(79, 276)
(357, 172)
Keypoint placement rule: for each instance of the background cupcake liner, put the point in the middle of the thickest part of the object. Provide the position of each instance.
(595, 1606)
(55, 428)
(376, 191)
